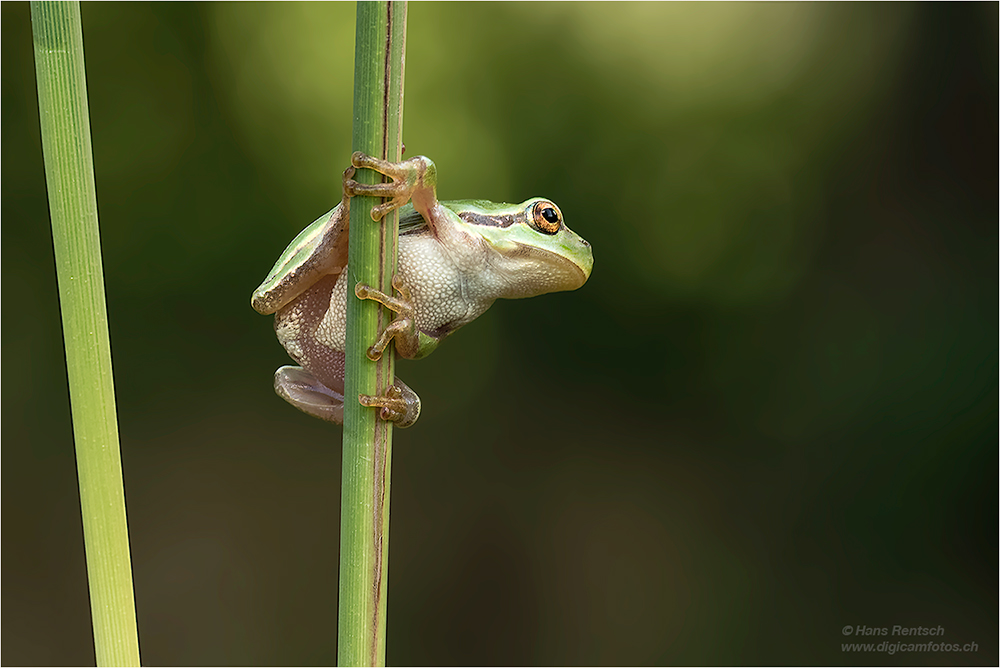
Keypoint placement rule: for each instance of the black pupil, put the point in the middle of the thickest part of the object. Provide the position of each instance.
(549, 214)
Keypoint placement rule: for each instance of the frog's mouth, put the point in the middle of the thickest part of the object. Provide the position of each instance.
(532, 271)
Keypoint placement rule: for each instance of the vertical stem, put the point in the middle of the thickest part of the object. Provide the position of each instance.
(69, 175)
(364, 523)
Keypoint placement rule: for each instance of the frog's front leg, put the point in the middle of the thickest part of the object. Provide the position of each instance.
(403, 327)
(415, 178)
(411, 343)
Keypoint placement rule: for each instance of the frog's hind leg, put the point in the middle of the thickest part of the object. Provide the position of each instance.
(301, 389)
(317, 386)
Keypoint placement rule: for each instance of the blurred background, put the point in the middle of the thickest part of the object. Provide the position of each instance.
(770, 413)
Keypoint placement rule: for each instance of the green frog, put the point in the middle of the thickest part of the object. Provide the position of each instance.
(455, 259)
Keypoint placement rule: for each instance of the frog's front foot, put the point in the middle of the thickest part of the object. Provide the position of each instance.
(402, 328)
(400, 404)
(407, 177)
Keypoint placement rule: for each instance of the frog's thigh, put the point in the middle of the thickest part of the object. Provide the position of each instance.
(301, 389)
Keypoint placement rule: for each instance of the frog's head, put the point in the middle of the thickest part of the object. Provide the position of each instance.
(536, 252)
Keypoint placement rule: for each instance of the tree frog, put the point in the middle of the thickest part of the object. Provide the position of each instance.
(455, 259)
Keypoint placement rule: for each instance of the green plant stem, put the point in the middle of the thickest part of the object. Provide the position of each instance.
(69, 175)
(367, 450)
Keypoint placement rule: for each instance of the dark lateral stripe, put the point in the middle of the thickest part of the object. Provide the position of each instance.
(505, 220)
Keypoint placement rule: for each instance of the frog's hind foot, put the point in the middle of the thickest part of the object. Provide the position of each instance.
(301, 389)
(399, 404)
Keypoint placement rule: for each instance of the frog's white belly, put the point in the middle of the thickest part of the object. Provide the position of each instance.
(443, 295)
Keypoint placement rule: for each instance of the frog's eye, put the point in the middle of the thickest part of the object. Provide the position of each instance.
(545, 217)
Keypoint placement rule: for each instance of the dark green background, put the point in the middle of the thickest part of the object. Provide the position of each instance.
(771, 413)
